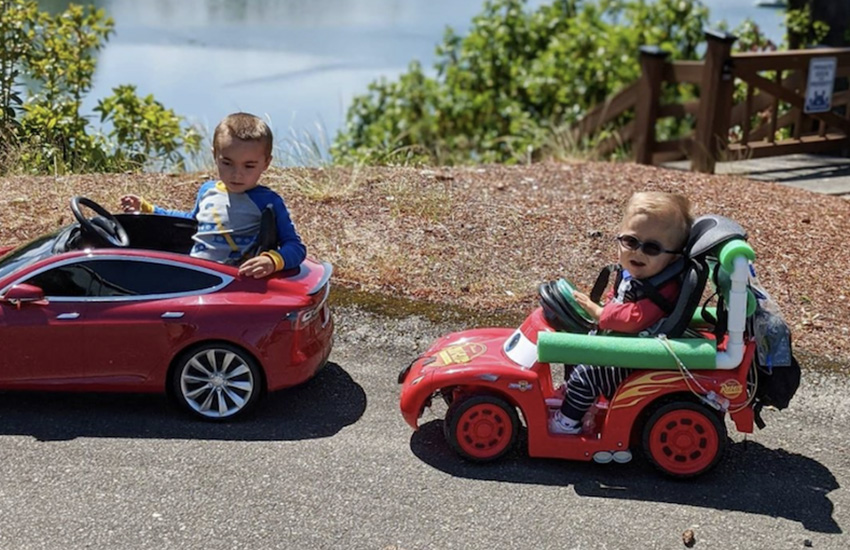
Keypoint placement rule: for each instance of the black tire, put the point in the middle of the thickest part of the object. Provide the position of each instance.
(217, 382)
(684, 439)
(481, 428)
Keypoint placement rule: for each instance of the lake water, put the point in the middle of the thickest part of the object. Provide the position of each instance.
(297, 62)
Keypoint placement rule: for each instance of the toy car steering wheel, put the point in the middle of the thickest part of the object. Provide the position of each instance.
(105, 226)
(567, 290)
(559, 306)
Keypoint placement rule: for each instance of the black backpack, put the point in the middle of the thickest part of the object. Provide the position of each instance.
(777, 373)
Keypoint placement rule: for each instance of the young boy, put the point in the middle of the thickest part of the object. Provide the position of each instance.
(229, 210)
(652, 235)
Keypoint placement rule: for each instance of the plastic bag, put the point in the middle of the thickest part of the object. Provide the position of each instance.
(771, 333)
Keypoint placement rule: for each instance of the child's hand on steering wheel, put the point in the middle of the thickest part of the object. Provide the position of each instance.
(594, 309)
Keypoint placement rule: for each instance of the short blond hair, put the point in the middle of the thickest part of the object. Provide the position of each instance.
(672, 209)
(244, 127)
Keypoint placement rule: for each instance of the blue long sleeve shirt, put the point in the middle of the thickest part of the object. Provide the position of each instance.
(229, 224)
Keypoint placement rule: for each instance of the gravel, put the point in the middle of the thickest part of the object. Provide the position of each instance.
(480, 239)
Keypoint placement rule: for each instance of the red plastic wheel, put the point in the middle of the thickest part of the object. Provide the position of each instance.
(482, 427)
(684, 439)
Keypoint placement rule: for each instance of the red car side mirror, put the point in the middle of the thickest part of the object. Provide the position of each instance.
(24, 293)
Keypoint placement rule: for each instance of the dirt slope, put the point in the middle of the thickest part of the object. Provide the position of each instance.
(484, 237)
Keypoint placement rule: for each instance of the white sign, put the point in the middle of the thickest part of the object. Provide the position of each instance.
(820, 83)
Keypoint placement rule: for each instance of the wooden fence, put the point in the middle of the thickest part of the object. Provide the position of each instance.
(773, 105)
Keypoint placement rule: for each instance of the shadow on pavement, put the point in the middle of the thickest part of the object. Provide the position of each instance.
(320, 407)
(751, 478)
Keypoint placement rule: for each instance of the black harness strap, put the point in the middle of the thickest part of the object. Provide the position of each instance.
(640, 288)
(650, 291)
(602, 281)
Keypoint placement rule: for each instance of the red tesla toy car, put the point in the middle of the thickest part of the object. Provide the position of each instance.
(672, 406)
(114, 303)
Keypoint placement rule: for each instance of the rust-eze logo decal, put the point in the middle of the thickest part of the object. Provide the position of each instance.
(731, 389)
(458, 355)
(522, 385)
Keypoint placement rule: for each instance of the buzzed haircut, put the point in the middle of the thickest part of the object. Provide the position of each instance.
(244, 127)
(674, 209)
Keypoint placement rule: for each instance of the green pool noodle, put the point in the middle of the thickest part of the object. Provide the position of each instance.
(697, 321)
(732, 250)
(726, 259)
(624, 351)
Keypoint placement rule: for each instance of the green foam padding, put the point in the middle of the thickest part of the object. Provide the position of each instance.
(624, 351)
(698, 321)
(732, 250)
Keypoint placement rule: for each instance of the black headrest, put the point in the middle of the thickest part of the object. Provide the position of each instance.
(709, 231)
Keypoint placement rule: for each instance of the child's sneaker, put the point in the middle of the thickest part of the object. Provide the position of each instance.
(560, 424)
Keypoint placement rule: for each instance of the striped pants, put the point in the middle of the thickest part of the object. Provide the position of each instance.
(586, 383)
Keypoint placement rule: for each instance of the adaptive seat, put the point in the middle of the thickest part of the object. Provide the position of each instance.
(716, 248)
(708, 233)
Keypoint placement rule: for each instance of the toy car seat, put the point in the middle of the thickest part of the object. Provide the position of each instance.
(706, 235)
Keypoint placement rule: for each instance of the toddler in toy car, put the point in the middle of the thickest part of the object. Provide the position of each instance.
(229, 210)
(652, 237)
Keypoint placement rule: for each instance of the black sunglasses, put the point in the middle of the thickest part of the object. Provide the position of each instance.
(650, 248)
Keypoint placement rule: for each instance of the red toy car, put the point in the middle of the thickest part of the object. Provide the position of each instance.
(672, 406)
(114, 303)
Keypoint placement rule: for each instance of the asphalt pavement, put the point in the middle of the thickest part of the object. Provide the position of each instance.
(332, 465)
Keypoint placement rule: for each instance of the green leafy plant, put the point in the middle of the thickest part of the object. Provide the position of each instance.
(146, 130)
(506, 90)
(803, 30)
(52, 60)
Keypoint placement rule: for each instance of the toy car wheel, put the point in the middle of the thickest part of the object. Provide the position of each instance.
(481, 428)
(684, 439)
(217, 382)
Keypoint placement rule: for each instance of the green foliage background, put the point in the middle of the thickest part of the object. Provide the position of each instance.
(510, 90)
(46, 68)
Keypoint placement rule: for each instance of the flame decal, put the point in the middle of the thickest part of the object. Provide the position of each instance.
(632, 393)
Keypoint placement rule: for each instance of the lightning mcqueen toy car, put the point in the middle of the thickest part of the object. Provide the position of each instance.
(114, 303)
(672, 406)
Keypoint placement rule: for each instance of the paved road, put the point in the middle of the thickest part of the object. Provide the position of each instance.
(332, 465)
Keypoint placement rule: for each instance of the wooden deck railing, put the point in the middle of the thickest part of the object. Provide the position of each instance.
(726, 130)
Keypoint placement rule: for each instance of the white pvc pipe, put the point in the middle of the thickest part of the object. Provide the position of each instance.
(737, 312)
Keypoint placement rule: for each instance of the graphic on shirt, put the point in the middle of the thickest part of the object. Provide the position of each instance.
(228, 224)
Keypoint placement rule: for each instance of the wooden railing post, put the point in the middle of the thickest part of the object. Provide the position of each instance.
(715, 102)
(652, 61)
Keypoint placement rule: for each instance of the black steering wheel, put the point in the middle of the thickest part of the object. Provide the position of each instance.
(104, 226)
(562, 310)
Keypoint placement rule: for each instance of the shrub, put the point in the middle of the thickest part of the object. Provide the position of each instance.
(52, 60)
(501, 92)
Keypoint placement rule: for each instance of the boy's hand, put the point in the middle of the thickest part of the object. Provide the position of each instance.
(258, 267)
(594, 309)
(131, 203)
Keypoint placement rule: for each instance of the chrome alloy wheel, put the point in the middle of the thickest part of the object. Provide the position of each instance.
(217, 382)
